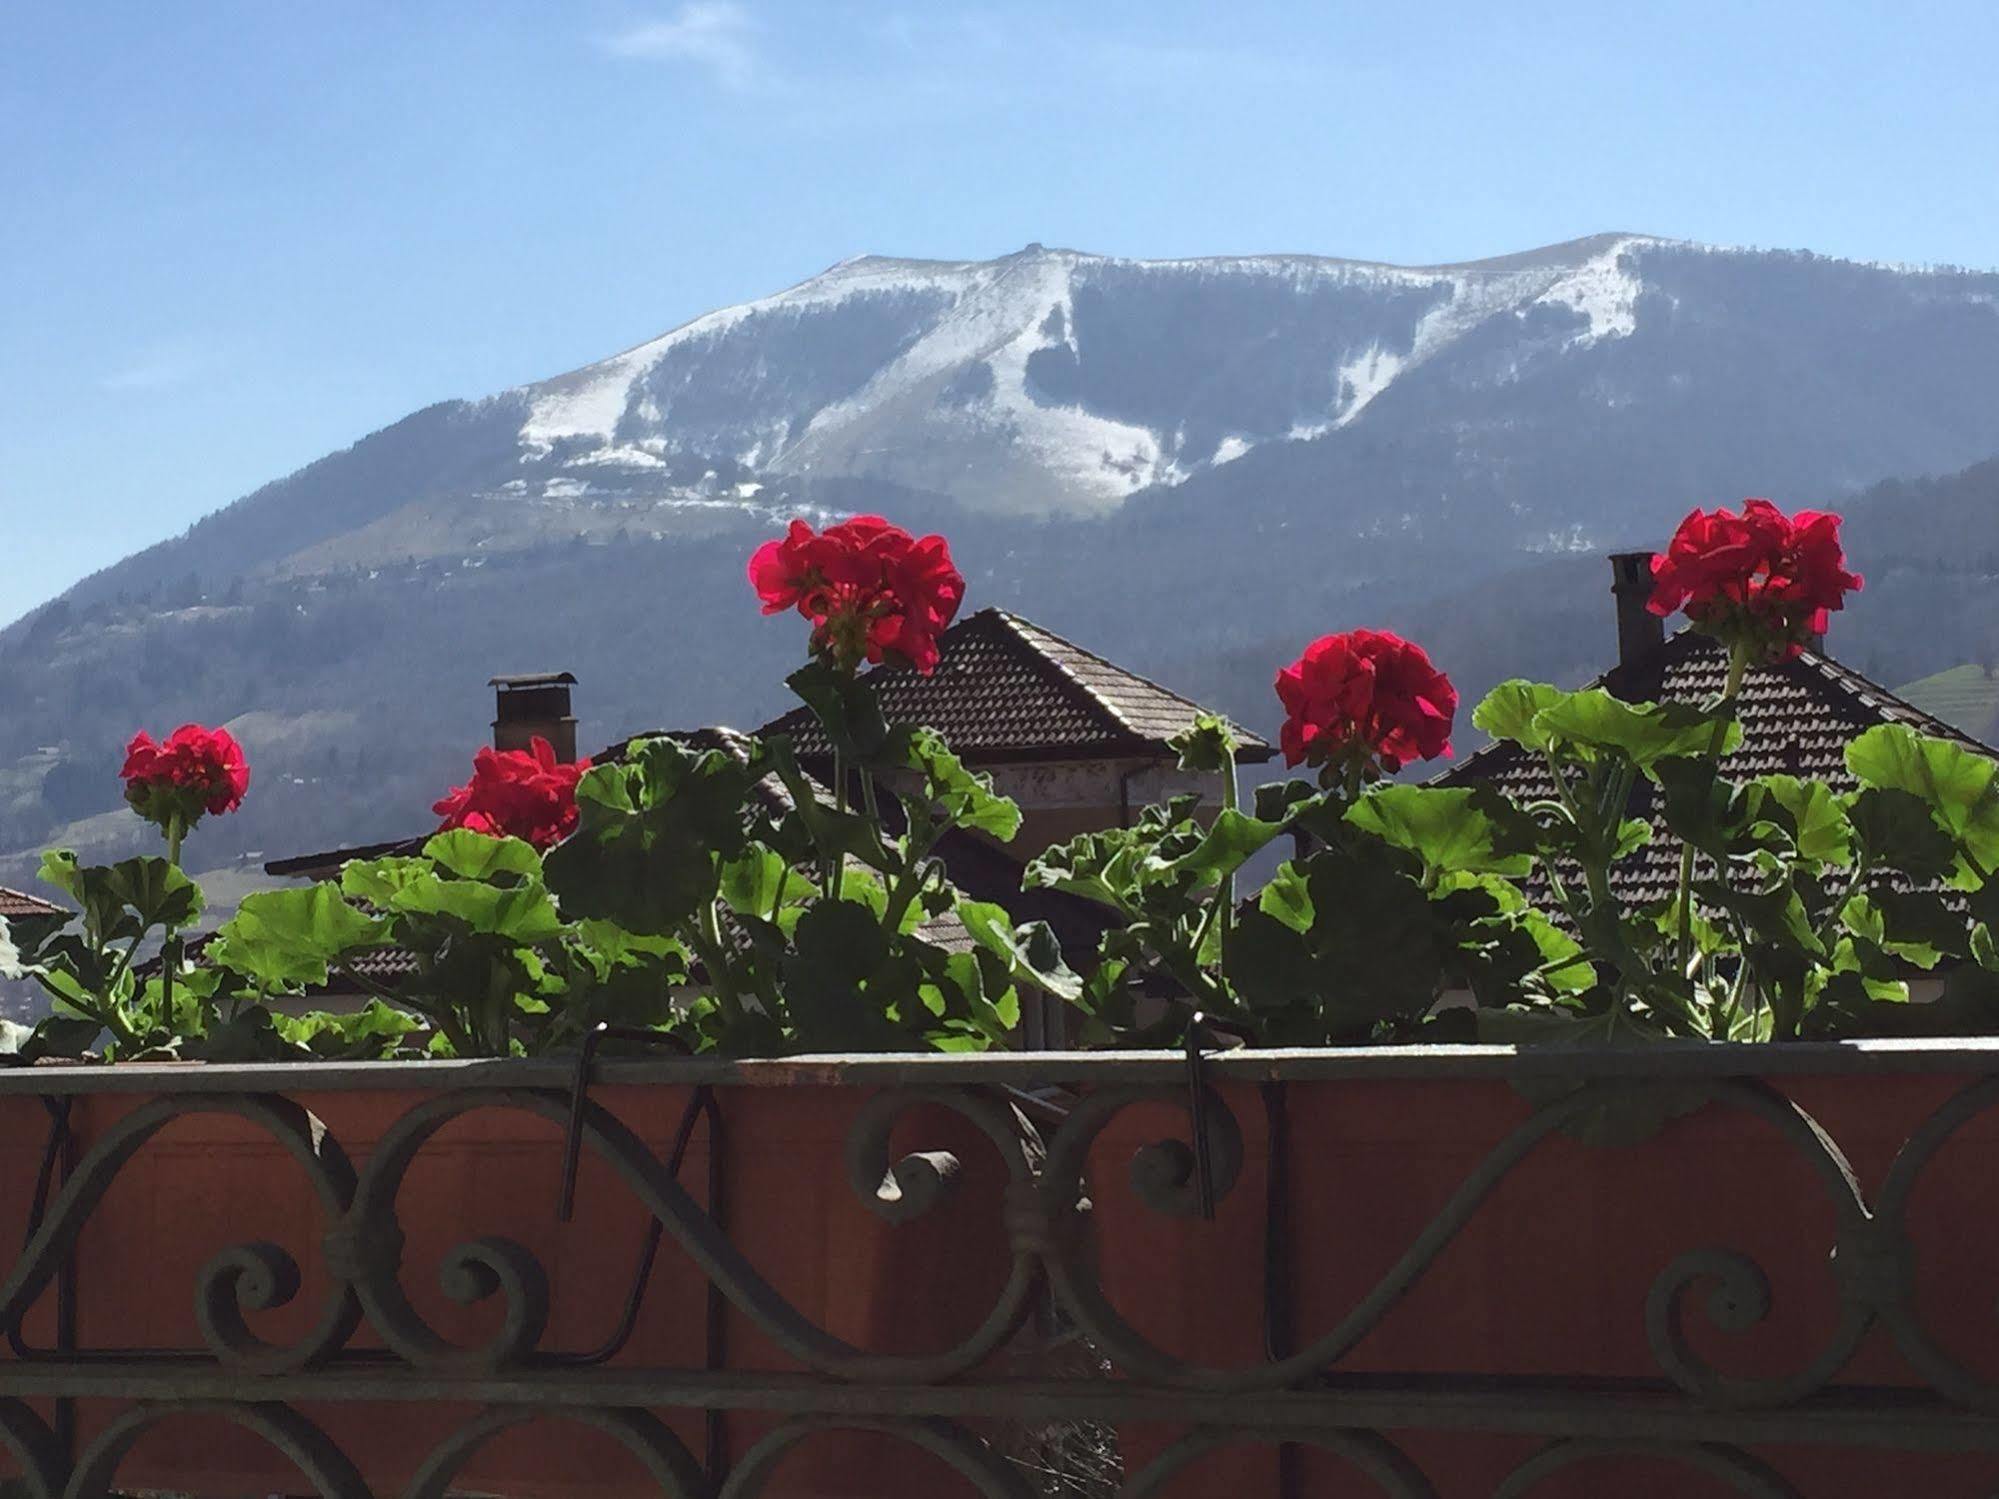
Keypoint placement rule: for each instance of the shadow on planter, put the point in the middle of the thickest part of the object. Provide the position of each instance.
(1559, 1275)
(210, 1181)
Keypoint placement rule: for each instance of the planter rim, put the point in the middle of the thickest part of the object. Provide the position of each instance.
(1691, 1059)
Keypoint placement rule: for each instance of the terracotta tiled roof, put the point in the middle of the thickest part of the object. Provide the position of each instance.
(1006, 689)
(1797, 718)
(16, 905)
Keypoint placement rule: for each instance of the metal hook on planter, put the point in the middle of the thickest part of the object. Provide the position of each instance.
(1204, 1034)
(1197, 1114)
(579, 1095)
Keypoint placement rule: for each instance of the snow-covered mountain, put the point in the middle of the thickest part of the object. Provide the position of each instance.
(1186, 463)
(1033, 382)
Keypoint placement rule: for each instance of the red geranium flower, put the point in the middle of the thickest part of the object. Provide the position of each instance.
(871, 590)
(1365, 697)
(1760, 579)
(526, 794)
(195, 771)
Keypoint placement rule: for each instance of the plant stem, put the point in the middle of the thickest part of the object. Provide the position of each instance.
(1738, 667)
(1221, 905)
(713, 951)
(170, 952)
(1231, 802)
(909, 884)
(1832, 915)
(837, 863)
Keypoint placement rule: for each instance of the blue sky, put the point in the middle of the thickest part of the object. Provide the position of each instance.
(235, 235)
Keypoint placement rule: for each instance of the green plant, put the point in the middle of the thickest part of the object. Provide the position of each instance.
(494, 968)
(813, 924)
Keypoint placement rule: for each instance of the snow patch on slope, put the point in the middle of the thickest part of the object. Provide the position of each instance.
(590, 402)
(1603, 290)
(1005, 312)
(1364, 377)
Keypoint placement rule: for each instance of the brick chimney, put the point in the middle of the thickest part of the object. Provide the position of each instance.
(533, 707)
(1640, 632)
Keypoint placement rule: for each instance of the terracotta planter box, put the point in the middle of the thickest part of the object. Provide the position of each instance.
(1782, 1288)
(208, 1181)
(1560, 1270)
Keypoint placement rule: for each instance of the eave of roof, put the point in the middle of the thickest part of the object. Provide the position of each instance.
(19, 905)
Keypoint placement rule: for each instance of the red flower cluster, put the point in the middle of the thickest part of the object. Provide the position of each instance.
(1365, 697)
(1760, 579)
(196, 770)
(871, 590)
(525, 794)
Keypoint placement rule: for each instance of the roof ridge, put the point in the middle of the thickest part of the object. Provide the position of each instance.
(1016, 621)
(1874, 695)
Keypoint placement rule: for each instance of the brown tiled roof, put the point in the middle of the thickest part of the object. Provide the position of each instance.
(17, 905)
(1006, 689)
(1797, 719)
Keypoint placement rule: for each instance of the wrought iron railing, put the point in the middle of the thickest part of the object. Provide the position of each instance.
(369, 1343)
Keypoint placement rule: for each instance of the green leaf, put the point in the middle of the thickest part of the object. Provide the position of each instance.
(650, 841)
(523, 914)
(1512, 711)
(1281, 801)
(1453, 830)
(1029, 953)
(1375, 939)
(149, 891)
(1594, 723)
(375, 1031)
(62, 1036)
(480, 856)
(1897, 830)
(1778, 916)
(1232, 840)
(1102, 867)
(1959, 785)
(758, 882)
(1918, 925)
(250, 1036)
(1271, 965)
(1207, 746)
(1813, 815)
(959, 797)
(286, 938)
(375, 882)
(1699, 807)
(846, 708)
(829, 980)
(1286, 899)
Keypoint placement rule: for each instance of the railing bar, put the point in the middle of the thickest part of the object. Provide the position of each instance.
(1889, 1423)
(1669, 1060)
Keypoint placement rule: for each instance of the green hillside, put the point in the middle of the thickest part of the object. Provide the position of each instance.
(1966, 696)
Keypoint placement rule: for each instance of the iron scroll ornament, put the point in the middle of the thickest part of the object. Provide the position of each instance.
(370, 1243)
(253, 1276)
(1739, 1288)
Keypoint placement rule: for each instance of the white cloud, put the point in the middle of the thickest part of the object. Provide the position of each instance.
(160, 367)
(718, 35)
